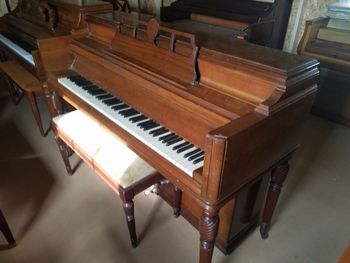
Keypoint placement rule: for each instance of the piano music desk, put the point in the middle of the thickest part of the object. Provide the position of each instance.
(28, 83)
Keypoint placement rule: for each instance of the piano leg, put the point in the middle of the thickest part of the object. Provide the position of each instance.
(208, 230)
(278, 176)
(34, 106)
(130, 219)
(6, 230)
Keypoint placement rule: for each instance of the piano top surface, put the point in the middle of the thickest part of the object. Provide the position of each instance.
(221, 40)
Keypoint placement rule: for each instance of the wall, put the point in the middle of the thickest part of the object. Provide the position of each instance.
(302, 11)
(3, 9)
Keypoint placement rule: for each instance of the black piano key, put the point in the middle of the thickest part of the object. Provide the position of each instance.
(82, 82)
(104, 96)
(192, 153)
(196, 156)
(166, 136)
(110, 102)
(138, 118)
(198, 160)
(97, 92)
(150, 126)
(128, 113)
(171, 142)
(74, 77)
(170, 138)
(180, 145)
(91, 87)
(187, 147)
(23, 44)
(120, 107)
(145, 123)
(159, 131)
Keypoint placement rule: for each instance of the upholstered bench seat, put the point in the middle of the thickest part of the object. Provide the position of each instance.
(103, 150)
(125, 172)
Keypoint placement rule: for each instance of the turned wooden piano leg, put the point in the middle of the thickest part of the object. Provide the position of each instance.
(177, 201)
(130, 219)
(5, 229)
(34, 106)
(208, 229)
(278, 176)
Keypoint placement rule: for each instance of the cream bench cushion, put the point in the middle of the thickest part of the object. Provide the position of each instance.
(102, 149)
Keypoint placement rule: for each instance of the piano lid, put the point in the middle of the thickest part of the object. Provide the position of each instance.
(219, 41)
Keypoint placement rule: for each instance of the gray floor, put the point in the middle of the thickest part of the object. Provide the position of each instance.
(56, 218)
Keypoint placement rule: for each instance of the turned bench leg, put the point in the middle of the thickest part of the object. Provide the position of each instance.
(34, 106)
(177, 201)
(64, 150)
(278, 176)
(128, 207)
(5, 229)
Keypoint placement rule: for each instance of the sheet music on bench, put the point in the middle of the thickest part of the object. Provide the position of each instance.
(235, 108)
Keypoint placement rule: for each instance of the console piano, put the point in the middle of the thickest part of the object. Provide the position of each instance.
(41, 19)
(331, 47)
(213, 118)
(261, 22)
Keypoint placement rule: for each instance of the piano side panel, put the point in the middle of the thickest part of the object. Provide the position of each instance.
(255, 144)
(55, 54)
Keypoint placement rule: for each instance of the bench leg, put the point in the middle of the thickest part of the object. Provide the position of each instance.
(6, 230)
(130, 219)
(16, 94)
(34, 106)
(177, 202)
(63, 148)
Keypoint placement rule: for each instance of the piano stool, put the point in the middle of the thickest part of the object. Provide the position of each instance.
(5, 229)
(125, 172)
(31, 86)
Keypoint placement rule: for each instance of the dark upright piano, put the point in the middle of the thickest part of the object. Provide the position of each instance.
(216, 119)
(260, 22)
(330, 46)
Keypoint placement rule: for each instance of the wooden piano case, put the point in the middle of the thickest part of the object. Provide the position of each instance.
(243, 105)
(261, 22)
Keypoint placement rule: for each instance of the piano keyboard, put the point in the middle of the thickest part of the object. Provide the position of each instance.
(175, 149)
(19, 47)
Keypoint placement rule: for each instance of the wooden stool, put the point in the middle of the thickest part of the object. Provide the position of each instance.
(125, 172)
(5, 229)
(28, 83)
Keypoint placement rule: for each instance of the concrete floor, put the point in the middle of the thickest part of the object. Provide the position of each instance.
(56, 218)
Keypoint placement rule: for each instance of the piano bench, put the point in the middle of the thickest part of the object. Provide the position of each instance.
(31, 86)
(5, 229)
(125, 172)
